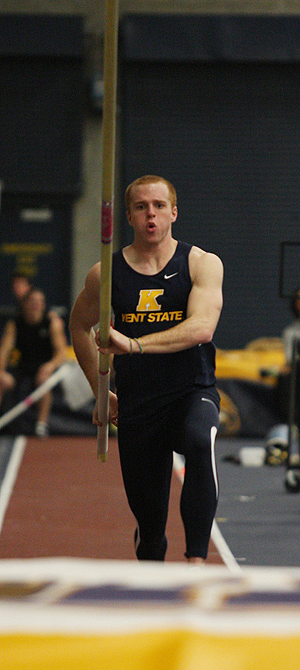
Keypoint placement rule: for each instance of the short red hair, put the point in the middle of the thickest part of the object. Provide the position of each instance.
(150, 179)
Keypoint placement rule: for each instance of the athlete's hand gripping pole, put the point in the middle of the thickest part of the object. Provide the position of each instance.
(108, 180)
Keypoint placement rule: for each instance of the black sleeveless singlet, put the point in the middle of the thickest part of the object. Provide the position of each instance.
(34, 344)
(145, 304)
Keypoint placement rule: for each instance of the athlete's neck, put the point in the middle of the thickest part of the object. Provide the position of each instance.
(149, 260)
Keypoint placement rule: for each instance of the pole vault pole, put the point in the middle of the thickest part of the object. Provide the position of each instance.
(107, 213)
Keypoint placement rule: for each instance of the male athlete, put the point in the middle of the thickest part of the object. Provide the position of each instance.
(166, 301)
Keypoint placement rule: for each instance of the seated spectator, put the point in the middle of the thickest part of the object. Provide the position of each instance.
(32, 347)
(290, 332)
(20, 285)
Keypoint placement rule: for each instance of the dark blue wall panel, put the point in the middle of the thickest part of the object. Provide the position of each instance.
(227, 134)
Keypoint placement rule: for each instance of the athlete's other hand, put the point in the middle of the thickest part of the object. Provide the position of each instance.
(113, 411)
(118, 343)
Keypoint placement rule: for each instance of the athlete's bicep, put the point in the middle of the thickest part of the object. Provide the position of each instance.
(85, 312)
(205, 299)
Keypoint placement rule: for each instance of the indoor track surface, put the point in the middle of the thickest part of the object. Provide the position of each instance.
(64, 502)
(72, 594)
(57, 499)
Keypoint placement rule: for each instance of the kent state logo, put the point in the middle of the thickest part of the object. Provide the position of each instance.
(148, 300)
(149, 309)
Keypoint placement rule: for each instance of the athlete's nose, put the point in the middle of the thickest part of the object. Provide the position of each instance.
(151, 211)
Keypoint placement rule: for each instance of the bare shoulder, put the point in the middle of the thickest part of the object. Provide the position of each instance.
(92, 282)
(204, 264)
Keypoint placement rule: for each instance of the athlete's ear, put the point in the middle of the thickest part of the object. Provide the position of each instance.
(174, 213)
(128, 217)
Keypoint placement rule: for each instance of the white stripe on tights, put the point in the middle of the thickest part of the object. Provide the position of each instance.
(213, 433)
(216, 535)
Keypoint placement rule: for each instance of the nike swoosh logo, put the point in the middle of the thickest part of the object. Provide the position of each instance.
(169, 276)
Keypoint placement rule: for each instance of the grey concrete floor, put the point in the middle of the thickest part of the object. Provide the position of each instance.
(257, 517)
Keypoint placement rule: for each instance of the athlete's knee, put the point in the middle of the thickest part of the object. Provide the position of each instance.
(199, 439)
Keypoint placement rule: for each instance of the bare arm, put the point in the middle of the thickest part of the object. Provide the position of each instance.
(203, 312)
(59, 345)
(59, 340)
(85, 315)
(8, 341)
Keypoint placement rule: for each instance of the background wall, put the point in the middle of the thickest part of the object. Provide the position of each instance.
(41, 119)
(212, 103)
(86, 208)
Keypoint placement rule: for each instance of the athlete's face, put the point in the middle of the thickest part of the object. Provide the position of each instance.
(151, 213)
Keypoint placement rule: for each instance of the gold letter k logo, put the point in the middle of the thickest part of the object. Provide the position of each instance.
(147, 301)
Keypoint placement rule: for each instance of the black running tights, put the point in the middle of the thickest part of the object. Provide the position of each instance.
(187, 426)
